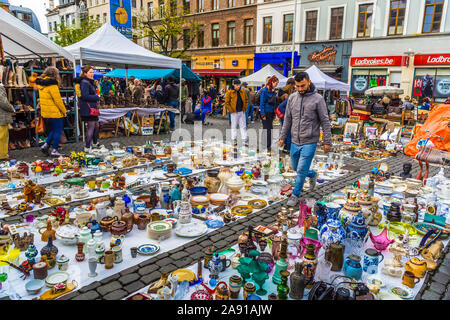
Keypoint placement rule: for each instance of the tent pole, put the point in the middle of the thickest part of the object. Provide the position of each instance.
(82, 124)
(76, 100)
(179, 96)
(126, 75)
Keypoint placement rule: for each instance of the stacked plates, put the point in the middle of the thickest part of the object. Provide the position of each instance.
(199, 201)
(157, 230)
(218, 199)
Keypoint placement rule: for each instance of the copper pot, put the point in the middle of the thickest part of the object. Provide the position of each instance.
(107, 222)
(119, 228)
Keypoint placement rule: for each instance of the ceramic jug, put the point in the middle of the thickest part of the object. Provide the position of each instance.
(48, 231)
(417, 267)
(116, 240)
(371, 261)
(215, 266)
(335, 255)
(352, 267)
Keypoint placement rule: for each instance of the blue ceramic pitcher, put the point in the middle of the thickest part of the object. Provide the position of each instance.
(371, 261)
(352, 267)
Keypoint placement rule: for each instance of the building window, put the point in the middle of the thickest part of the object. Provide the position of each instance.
(98, 18)
(200, 5)
(311, 25)
(161, 8)
(365, 20)
(201, 37)
(150, 10)
(104, 17)
(54, 24)
(246, 2)
(215, 34)
(248, 31)
(215, 4)
(288, 22)
(173, 7)
(133, 3)
(396, 17)
(337, 18)
(267, 30)
(187, 6)
(151, 43)
(90, 3)
(134, 22)
(186, 37)
(173, 42)
(231, 27)
(50, 27)
(231, 3)
(433, 16)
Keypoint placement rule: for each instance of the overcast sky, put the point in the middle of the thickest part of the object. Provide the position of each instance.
(39, 8)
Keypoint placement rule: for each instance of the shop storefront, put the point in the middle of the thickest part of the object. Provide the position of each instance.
(432, 77)
(369, 72)
(331, 58)
(222, 69)
(281, 61)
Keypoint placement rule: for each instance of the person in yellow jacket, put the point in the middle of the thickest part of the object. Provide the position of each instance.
(236, 102)
(53, 109)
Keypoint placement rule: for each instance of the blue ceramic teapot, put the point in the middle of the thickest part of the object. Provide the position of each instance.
(357, 229)
(352, 267)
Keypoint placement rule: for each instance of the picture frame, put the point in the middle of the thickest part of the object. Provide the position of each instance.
(351, 127)
(369, 131)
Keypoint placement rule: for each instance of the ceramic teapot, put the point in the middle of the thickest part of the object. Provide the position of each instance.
(357, 229)
(107, 222)
(417, 267)
(119, 227)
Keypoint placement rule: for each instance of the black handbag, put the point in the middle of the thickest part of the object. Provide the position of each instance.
(327, 291)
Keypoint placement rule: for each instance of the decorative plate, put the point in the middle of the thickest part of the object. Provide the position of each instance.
(259, 189)
(53, 202)
(56, 278)
(259, 183)
(247, 197)
(193, 229)
(402, 292)
(184, 275)
(375, 281)
(218, 197)
(241, 210)
(214, 223)
(148, 249)
(159, 225)
(199, 199)
(257, 203)
(173, 221)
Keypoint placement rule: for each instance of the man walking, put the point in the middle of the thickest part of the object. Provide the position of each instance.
(306, 112)
(236, 102)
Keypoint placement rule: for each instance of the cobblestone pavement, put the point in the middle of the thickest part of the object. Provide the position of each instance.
(137, 277)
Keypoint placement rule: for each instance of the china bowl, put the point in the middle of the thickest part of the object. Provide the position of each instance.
(198, 191)
(34, 286)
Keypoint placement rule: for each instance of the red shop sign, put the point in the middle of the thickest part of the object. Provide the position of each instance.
(434, 59)
(377, 61)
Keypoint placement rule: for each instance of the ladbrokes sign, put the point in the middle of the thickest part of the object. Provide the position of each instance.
(432, 59)
(376, 61)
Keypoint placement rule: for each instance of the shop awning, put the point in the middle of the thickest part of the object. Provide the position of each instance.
(218, 72)
(154, 73)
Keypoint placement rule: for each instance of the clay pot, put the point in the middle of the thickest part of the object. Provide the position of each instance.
(128, 218)
(119, 227)
(142, 221)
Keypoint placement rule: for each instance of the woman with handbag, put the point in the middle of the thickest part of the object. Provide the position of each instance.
(268, 105)
(88, 107)
(53, 109)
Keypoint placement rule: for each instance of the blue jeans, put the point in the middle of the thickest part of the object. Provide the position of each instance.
(55, 128)
(301, 158)
(287, 141)
(172, 115)
(249, 112)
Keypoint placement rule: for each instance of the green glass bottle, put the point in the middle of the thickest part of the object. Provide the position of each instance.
(282, 288)
(281, 263)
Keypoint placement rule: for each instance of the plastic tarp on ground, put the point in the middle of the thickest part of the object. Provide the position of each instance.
(259, 78)
(325, 82)
(152, 74)
(20, 41)
(435, 132)
(108, 47)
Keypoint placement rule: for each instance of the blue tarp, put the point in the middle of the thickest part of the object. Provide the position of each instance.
(152, 74)
(97, 75)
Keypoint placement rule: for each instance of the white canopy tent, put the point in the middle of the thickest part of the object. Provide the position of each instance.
(109, 48)
(259, 78)
(325, 82)
(21, 42)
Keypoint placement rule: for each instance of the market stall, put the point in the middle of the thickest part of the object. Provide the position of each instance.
(28, 53)
(258, 78)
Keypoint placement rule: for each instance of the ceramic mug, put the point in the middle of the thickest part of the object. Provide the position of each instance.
(99, 251)
(226, 263)
(133, 251)
(371, 260)
(108, 259)
(117, 254)
(409, 279)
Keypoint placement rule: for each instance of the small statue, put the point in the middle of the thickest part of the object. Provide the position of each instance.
(406, 174)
